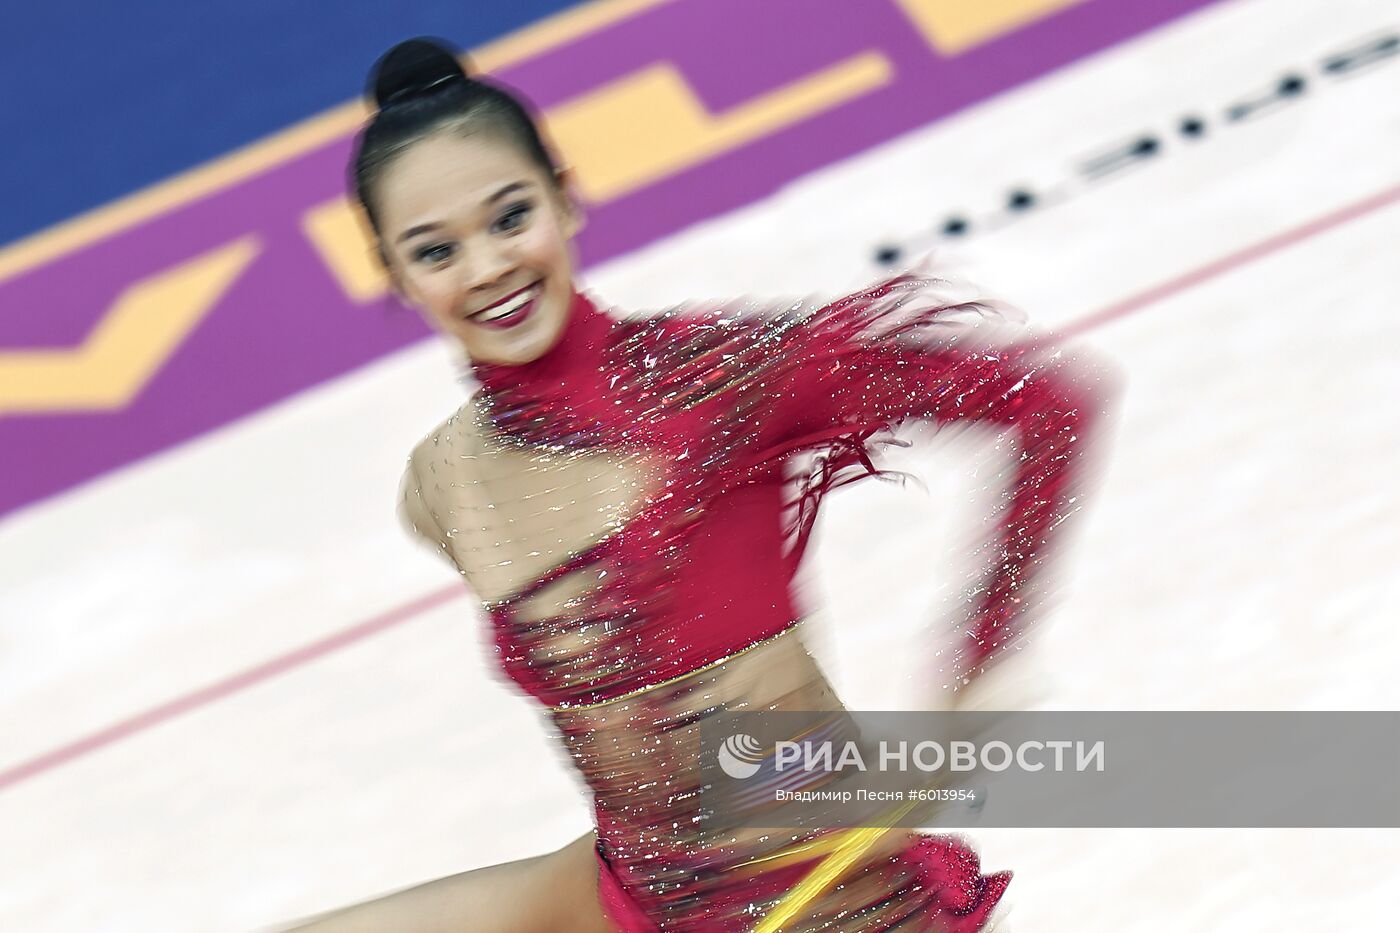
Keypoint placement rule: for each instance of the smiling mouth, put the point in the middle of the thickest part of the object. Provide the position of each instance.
(509, 310)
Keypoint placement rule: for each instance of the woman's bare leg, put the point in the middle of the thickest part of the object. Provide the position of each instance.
(543, 894)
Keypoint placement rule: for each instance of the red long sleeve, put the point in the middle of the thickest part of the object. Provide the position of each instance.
(900, 350)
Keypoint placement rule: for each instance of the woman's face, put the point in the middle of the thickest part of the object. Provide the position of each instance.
(477, 238)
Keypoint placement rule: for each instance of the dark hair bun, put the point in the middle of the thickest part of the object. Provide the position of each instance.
(414, 68)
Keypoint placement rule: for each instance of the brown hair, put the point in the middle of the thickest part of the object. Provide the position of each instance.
(420, 88)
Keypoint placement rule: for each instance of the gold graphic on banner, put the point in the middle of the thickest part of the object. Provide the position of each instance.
(650, 123)
(336, 233)
(128, 346)
(952, 26)
(619, 138)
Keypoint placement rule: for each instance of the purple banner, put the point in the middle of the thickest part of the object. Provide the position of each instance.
(279, 321)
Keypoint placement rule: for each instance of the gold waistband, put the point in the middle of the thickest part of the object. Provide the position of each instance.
(632, 694)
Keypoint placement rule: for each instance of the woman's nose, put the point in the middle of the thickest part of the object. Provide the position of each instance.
(484, 269)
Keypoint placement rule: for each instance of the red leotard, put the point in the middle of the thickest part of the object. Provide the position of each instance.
(620, 505)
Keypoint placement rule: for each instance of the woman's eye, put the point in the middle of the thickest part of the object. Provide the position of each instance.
(514, 217)
(437, 252)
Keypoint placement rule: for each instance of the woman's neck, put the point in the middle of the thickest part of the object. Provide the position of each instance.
(573, 363)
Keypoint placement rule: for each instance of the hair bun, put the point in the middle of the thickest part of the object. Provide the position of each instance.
(413, 68)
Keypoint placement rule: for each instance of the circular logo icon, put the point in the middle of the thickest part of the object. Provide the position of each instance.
(740, 756)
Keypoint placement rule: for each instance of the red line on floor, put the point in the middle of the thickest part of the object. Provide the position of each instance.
(359, 632)
(227, 687)
(1233, 261)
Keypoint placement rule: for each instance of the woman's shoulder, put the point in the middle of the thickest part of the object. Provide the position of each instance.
(454, 438)
(699, 335)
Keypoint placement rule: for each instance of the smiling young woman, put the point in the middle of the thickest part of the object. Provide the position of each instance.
(590, 493)
(479, 241)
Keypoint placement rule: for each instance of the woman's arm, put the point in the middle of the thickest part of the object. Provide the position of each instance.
(903, 350)
(416, 515)
(543, 894)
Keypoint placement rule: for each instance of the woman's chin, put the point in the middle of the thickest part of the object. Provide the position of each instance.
(515, 345)
(522, 349)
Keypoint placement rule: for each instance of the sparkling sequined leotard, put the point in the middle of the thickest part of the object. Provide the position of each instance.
(620, 507)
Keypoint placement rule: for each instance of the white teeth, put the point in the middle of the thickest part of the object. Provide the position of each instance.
(509, 307)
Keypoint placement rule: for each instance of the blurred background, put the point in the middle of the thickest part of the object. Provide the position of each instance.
(232, 691)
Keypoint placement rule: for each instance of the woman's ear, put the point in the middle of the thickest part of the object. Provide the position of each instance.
(396, 283)
(574, 216)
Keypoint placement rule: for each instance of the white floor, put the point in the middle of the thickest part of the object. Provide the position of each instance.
(1239, 554)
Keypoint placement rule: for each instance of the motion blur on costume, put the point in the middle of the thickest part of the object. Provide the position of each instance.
(236, 692)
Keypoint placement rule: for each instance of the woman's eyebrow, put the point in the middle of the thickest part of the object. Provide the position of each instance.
(512, 187)
(414, 231)
(429, 228)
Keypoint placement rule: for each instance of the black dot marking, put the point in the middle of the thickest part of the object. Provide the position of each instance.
(1192, 126)
(1020, 199)
(1367, 54)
